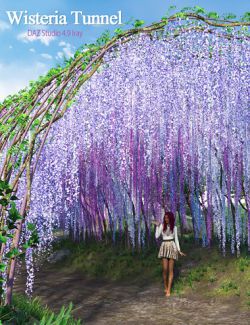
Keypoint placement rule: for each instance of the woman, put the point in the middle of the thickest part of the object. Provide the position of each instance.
(169, 248)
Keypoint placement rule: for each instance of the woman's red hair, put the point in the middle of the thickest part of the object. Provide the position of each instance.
(171, 220)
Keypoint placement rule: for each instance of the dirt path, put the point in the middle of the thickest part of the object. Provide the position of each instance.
(99, 302)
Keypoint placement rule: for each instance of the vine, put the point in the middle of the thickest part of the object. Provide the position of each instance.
(27, 117)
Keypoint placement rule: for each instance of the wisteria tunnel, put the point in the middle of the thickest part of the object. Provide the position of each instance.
(163, 122)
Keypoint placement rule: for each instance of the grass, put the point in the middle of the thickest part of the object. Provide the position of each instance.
(107, 261)
(211, 274)
(220, 277)
(31, 311)
(203, 271)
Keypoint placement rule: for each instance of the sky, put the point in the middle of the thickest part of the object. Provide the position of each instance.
(24, 58)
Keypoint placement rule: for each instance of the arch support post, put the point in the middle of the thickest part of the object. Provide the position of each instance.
(11, 270)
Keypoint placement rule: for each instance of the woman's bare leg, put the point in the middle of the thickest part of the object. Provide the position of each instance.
(164, 272)
(170, 275)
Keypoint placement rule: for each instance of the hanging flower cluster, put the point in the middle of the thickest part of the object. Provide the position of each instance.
(165, 122)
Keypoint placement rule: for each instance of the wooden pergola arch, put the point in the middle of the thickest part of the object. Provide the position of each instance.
(26, 118)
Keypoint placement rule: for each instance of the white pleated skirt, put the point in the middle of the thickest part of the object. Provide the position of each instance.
(168, 249)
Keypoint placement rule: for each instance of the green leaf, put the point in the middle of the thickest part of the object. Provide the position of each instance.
(213, 15)
(181, 14)
(2, 267)
(244, 28)
(11, 225)
(31, 226)
(138, 23)
(23, 145)
(4, 202)
(58, 81)
(4, 185)
(34, 238)
(12, 253)
(229, 29)
(18, 162)
(15, 251)
(14, 214)
(48, 116)
(36, 122)
(199, 10)
(246, 16)
(26, 245)
(3, 239)
(118, 31)
(13, 198)
(12, 134)
(22, 118)
(229, 16)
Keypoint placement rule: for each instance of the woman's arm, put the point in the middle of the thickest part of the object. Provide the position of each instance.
(176, 238)
(158, 231)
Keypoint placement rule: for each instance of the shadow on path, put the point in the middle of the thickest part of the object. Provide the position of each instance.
(101, 302)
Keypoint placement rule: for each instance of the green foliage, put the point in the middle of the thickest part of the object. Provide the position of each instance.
(31, 226)
(2, 268)
(165, 19)
(12, 134)
(118, 31)
(23, 146)
(246, 17)
(32, 311)
(243, 263)
(12, 253)
(63, 318)
(229, 16)
(199, 10)
(104, 38)
(4, 128)
(229, 29)
(70, 103)
(59, 79)
(213, 15)
(33, 240)
(18, 162)
(48, 116)
(13, 150)
(25, 99)
(27, 95)
(180, 14)
(138, 23)
(7, 200)
(105, 260)
(3, 239)
(228, 285)
(244, 29)
(35, 124)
